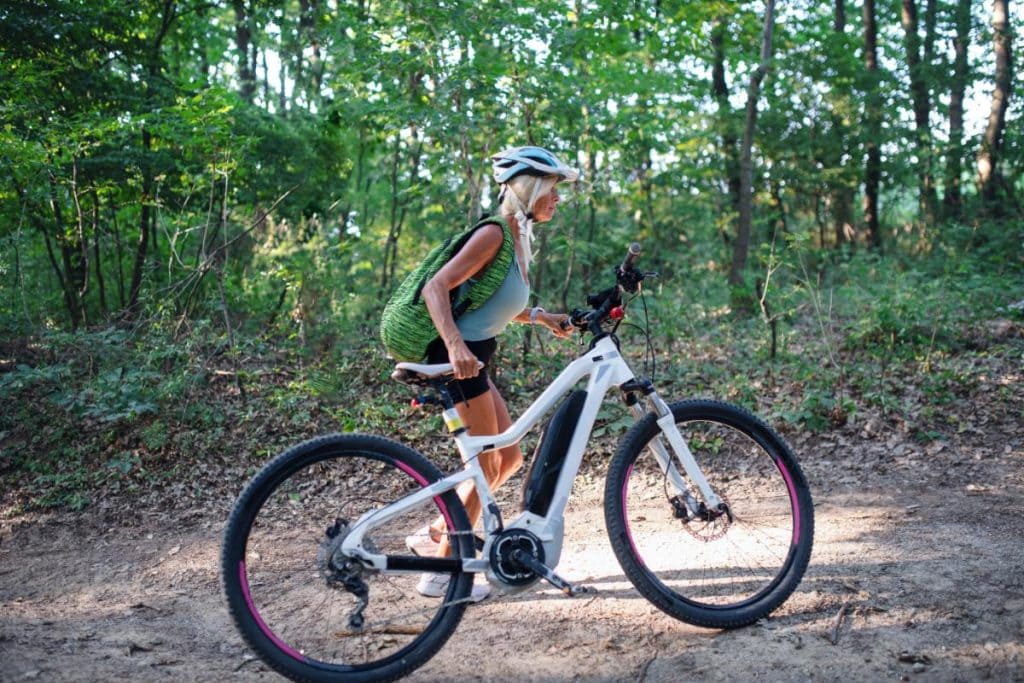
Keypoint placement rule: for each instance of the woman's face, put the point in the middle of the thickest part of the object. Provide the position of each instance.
(544, 209)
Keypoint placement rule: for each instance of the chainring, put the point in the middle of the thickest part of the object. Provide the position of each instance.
(504, 567)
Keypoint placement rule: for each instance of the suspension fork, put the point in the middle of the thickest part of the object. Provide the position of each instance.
(667, 423)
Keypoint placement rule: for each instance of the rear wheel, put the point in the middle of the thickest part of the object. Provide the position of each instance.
(717, 568)
(296, 599)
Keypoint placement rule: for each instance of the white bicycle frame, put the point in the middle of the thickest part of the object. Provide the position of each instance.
(606, 368)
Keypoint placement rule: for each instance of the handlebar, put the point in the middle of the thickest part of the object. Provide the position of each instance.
(627, 279)
(631, 254)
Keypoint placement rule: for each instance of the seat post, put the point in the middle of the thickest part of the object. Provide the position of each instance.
(452, 420)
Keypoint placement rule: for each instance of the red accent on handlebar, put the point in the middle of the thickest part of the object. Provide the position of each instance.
(617, 313)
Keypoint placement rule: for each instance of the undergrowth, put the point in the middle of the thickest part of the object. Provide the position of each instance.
(110, 412)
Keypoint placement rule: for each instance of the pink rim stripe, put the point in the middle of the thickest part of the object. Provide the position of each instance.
(792, 497)
(625, 514)
(259, 620)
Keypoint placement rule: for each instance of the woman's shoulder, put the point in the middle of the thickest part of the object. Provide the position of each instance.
(486, 241)
(491, 231)
(492, 221)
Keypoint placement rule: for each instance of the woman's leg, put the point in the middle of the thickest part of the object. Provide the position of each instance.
(511, 456)
(484, 415)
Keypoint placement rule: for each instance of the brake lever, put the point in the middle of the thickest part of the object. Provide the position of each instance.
(630, 279)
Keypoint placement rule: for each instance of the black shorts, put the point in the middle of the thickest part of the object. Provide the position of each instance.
(465, 389)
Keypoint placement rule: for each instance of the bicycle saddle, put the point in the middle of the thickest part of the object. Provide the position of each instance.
(412, 373)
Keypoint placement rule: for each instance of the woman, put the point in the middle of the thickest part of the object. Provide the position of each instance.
(528, 177)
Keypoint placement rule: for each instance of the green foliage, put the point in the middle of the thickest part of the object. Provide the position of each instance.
(24, 377)
(176, 217)
(820, 409)
(141, 122)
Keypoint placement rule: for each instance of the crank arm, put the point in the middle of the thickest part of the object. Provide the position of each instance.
(530, 562)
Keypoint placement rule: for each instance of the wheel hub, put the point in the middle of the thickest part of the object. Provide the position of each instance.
(710, 524)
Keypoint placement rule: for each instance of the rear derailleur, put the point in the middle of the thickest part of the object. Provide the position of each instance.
(343, 572)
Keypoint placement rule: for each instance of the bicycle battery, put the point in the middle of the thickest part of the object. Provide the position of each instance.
(541, 477)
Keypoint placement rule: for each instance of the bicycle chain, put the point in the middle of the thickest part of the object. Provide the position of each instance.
(495, 596)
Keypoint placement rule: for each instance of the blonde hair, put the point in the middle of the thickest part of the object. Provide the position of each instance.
(518, 197)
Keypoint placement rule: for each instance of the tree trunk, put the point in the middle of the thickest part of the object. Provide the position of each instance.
(872, 117)
(720, 91)
(70, 251)
(742, 245)
(930, 17)
(922, 107)
(266, 78)
(952, 199)
(141, 248)
(119, 258)
(399, 208)
(154, 215)
(395, 229)
(989, 178)
(79, 272)
(840, 194)
(591, 172)
(282, 79)
(37, 221)
(243, 38)
(308, 35)
(100, 284)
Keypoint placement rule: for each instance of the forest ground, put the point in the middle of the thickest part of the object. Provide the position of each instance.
(917, 574)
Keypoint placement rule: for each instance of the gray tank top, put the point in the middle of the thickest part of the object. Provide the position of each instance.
(497, 312)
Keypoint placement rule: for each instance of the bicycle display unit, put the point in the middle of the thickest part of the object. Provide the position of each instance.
(705, 506)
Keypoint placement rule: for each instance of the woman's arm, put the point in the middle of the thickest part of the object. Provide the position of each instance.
(552, 321)
(474, 256)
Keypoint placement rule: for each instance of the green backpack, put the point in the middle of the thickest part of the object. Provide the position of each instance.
(406, 327)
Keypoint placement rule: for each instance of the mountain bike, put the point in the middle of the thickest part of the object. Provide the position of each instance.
(705, 506)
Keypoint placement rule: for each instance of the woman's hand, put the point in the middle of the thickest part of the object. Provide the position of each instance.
(558, 323)
(462, 359)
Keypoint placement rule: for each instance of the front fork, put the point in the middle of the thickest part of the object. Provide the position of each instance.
(667, 423)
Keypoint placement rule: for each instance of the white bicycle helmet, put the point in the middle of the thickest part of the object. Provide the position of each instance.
(532, 161)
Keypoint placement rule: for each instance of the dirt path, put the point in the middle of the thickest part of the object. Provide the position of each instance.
(918, 572)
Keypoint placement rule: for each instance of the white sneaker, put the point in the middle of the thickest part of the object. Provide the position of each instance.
(422, 543)
(434, 585)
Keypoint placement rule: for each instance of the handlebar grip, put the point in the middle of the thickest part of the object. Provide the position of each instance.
(631, 254)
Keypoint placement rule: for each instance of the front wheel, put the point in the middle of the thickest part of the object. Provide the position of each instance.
(309, 612)
(716, 568)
